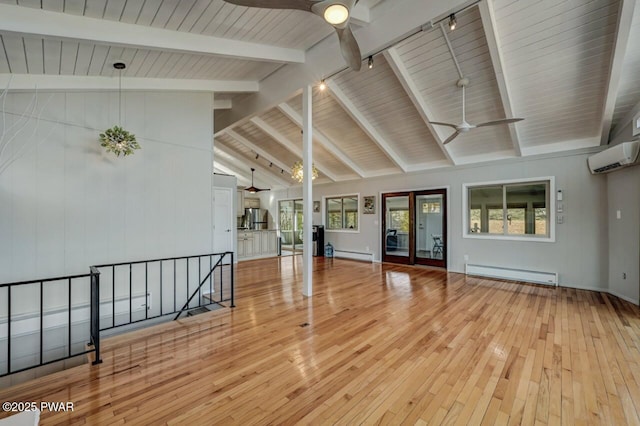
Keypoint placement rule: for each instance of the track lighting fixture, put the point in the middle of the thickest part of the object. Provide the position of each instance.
(323, 85)
(257, 156)
(452, 21)
(370, 64)
(270, 164)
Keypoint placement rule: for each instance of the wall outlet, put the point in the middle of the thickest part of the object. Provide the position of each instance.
(624, 275)
(560, 220)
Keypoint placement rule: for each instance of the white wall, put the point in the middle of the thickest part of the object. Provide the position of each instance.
(624, 233)
(580, 251)
(66, 204)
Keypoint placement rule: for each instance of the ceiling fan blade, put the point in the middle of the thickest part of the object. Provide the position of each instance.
(502, 121)
(452, 137)
(349, 47)
(453, 126)
(276, 4)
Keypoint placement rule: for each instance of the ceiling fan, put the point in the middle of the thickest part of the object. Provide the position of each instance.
(252, 189)
(335, 12)
(464, 126)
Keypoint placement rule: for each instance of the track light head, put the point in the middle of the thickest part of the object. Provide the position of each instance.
(452, 21)
(323, 85)
(370, 63)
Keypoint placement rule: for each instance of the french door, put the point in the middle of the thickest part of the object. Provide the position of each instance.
(414, 227)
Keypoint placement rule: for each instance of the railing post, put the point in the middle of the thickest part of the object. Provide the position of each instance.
(233, 305)
(95, 313)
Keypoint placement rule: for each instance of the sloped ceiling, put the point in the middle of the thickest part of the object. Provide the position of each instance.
(569, 68)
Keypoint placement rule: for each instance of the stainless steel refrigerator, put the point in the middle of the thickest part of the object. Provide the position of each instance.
(255, 219)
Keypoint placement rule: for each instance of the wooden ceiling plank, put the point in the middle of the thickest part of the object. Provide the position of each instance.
(290, 145)
(328, 144)
(255, 148)
(365, 125)
(401, 72)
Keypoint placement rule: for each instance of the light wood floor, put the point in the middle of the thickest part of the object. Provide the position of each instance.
(376, 343)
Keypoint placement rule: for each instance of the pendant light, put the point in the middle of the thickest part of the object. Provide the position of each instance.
(252, 189)
(116, 139)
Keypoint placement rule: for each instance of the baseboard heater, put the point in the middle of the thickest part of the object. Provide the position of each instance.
(538, 277)
(353, 255)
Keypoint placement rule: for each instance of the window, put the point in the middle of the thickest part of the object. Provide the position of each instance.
(342, 212)
(431, 207)
(399, 220)
(510, 210)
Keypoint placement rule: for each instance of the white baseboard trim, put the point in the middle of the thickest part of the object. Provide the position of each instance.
(515, 274)
(623, 297)
(353, 255)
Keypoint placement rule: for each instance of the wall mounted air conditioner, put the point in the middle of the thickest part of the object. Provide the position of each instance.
(614, 158)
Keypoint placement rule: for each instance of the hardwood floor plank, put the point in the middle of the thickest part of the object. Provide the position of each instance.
(376, 344)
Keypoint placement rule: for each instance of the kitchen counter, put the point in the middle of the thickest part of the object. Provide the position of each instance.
(257, 243)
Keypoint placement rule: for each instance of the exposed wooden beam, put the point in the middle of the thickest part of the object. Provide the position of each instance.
(409, 86)
(65, 26)
(240, 162)
(393, 21)
(222, 104)
(626, 121)
(290, 145)
(365, 125)
(296, 118)
(488, 18)
(242, 179)
(72, 82)
(255, 148)
(623, 30)
(360, 15)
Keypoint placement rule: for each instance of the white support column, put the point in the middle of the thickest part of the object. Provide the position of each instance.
(307, 191)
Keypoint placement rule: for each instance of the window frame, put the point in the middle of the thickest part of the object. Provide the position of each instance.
(325, 212)
(511, 237)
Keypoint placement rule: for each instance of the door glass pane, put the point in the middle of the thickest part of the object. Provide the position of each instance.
(397, 232)
(286, 224)
(298, 241)
(429, 225)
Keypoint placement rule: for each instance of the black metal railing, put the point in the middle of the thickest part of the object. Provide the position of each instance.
(48, 320)
(134, 292)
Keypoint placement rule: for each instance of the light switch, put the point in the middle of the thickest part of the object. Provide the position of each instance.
(618, 214)
(560, 219)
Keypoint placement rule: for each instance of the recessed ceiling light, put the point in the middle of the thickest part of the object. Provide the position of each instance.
(336, 14)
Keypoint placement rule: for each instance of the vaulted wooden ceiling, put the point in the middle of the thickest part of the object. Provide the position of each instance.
(570, 68)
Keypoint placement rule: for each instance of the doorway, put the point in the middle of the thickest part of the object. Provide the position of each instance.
(291, 226)
(414, 225)
(223, 218)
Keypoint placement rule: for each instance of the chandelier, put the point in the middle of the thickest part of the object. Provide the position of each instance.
(298, 174)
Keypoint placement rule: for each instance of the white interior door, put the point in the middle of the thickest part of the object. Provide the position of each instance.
(223, 217)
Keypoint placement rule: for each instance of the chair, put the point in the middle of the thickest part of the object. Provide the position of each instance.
(392, 240)
(437, 245)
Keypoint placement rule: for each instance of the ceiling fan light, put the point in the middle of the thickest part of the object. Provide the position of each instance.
(336, 14)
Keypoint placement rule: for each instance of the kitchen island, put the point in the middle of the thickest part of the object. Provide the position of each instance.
(256, 244)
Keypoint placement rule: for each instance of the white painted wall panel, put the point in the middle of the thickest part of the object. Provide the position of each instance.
(66, 204)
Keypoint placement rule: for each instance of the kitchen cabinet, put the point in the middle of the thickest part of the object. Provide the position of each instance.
(257, 244)
(251, 203)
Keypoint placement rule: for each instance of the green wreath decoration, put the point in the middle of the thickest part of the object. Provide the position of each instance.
(119, 141)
